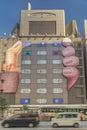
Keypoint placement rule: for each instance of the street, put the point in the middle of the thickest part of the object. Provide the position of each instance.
(47, 126)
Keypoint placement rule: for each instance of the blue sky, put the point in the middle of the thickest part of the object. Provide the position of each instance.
(10, 11)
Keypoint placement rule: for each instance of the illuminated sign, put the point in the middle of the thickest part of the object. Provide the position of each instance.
(25, 101)
(59, 44)
(58, 100)
(26, 44)
(41, 44)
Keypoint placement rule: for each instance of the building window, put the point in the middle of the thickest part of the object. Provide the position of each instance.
(41, 101)
(80, 62)
(57, 80)
(58, 52)
(26, 53)
(26, 61)
(57, 62)
(41, 52)
(57, 90)
(41, 90)
(81, 71)
(26, 71)
(5, 45)
(42, 27)
(41, 80)
(78, 53)
(25, 80)
(80, 81)
(25, 90)
(79, 45)
(41, 62)
(59, 71)
(42, 71)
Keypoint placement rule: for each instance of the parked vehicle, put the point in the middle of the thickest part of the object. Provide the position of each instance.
(22, 120)
(66, 119)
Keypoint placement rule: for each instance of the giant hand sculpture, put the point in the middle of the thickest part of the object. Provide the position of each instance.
(70, 62)
(12, 57)
(10, 77)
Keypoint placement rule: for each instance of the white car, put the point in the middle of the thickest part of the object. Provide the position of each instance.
(66, 119)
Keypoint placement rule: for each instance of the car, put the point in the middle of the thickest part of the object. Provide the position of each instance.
(21, 120)
(66, 119)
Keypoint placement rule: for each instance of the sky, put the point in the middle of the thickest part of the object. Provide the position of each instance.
(10, 12)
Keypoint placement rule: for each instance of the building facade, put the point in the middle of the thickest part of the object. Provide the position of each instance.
(41, 61)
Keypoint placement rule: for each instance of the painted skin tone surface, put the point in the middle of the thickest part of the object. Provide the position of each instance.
(70, 62)
(11, 57)
(72, 74)
(10, 76)
(68, 51)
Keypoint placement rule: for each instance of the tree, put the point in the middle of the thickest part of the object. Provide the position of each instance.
(3, 104)
(25, 108)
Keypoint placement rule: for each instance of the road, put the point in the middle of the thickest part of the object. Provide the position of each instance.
(47, 126)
